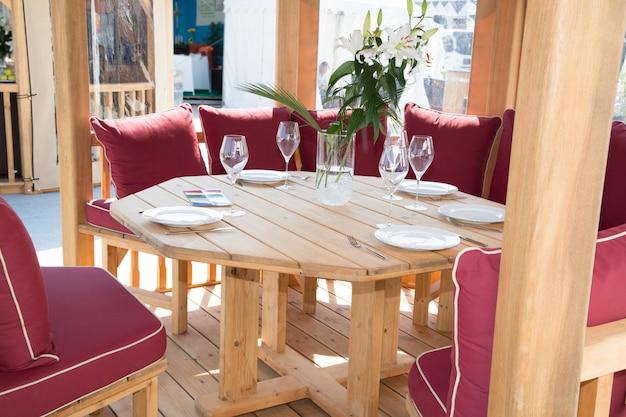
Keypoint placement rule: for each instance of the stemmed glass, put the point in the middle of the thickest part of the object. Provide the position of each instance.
(421, 154)
(393, 167)
(398, 137)
(288, 139)
(234, 156)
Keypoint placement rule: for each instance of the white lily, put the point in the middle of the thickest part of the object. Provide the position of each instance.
(401, 43)
(353, 43)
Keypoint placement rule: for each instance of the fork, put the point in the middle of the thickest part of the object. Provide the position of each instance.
(356, 244)
(475, 226)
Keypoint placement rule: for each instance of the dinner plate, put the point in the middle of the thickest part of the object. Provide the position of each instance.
(262, 176)
(182, 216)
(417, 237)
(474, 213)
(427, 188)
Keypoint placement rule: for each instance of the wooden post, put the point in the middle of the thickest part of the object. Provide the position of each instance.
(297, 25)
(71, 73)
(568, 72)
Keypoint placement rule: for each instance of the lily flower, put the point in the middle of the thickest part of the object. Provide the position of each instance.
(401, 44)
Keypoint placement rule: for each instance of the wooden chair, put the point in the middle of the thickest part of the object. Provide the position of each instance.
(139, 152)
(454, 381)
(72, 339)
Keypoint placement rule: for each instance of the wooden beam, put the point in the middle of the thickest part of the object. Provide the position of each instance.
(71, 73)
(297, 25)
(568, 72)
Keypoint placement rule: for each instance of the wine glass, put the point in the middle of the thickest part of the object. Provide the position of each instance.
(288, 139)
(421, 154)
(234, 156)
(395, 137)
(393, 167)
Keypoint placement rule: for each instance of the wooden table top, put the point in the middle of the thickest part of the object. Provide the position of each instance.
(290, 231)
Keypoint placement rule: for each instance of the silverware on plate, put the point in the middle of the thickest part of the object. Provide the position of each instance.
(187, 231)
(457, 222)
(474, 241)
(356, 244)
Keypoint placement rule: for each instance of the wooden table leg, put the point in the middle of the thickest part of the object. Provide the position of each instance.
(366, 343)
(179, 296)
(239, 329)
(274, 315)
(391, 321)
(422, 299)
(446, 302)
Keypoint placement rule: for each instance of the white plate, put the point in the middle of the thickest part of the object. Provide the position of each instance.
(262, 176)
(428, 188)
(474, 213)
(182, 216)
(417, 237)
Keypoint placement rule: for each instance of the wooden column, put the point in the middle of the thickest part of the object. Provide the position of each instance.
(568, 72)
(71, 73)
(297, 24)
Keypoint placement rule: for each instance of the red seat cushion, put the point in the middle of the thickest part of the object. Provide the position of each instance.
(258, 125)
(366, 151)
(475, 277)
(428, 382)
(613, 210)
(98, 214)
(500, 179)
(143, 151)
(102, 332)
(25, 335)
(462, 145)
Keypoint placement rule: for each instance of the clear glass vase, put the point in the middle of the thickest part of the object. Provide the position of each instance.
(334, 168)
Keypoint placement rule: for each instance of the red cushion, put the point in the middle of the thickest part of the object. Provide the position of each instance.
(98, 214)
(428, 382)
(146, 150)
(613, 210)
(25, 338)
(500, 179)
(475, 277)
(366, 153)
(258, 125)
(462, 145)
(102, 332)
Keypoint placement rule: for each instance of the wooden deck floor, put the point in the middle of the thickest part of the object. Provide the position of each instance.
(193, 360)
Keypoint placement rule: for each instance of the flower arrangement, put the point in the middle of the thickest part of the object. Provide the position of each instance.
(370, 85)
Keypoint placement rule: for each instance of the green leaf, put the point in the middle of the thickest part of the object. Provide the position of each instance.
(284, 97)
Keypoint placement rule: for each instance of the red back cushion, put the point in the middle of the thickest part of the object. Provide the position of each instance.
(500, 179)
(475, 277)
(258, 125)
(25, 339)
(613, 210)
(462, 145)
(366, 153)
(146, 150)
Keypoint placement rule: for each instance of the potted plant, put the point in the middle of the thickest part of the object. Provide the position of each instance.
(6, 38)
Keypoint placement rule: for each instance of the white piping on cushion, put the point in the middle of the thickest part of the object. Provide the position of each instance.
(18, 309)
(430, 388)
(455, 326)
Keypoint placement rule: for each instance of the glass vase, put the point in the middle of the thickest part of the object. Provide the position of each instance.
(334, 168)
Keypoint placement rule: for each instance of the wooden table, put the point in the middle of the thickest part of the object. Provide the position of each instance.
(286, 233)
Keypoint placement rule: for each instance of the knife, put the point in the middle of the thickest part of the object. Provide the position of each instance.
(474, 241)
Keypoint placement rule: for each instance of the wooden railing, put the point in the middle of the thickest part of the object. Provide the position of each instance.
(121, 100)
(6, 89)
